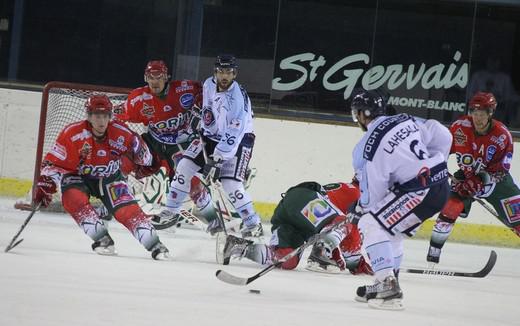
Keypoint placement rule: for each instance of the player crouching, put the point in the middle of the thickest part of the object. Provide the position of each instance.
(86, 160)
(305, 210)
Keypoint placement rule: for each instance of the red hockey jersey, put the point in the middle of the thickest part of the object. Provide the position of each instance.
(167, 118)
(76, 151)
(491, 153)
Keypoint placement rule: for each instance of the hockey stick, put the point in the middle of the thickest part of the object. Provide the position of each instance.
(236, 280)
(481, 273)
(13, 242)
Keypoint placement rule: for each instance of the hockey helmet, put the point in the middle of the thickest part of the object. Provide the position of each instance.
(98, 103)
(483, 101)
(370, 103)
(226, 61)
(156, 69)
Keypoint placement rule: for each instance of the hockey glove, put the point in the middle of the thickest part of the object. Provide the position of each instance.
(142, 171)
(362, 268)
(470, 186)
(44, 190)
(211, 169)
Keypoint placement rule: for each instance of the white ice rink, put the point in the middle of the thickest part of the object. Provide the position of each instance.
(53, 278)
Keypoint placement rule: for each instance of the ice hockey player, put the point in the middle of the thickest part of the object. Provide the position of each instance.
(85, 160)
(403, 177)
(227, 137)
(166, 107)
(484, 150)
(304, 211)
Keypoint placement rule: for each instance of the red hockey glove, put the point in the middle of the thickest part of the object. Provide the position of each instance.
(142, 171)
(362, 268)
(44, 190)
(470, 186)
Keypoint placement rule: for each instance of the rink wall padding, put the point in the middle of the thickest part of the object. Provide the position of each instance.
(482, 234)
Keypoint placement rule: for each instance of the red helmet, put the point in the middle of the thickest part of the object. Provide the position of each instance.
(483, 101)
(98, 104)
(156, 68)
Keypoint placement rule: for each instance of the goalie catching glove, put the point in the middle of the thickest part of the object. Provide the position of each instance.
(45, 188)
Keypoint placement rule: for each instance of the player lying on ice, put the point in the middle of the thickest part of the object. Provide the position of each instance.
(85, 161)
(304, 211)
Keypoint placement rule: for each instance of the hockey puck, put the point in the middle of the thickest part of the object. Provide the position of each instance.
(254, 291)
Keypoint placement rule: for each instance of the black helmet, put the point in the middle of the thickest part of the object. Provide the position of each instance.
(226, 61)
(371, 103)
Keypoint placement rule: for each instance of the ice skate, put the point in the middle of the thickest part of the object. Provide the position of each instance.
(165, 219)
(319, 260)
(214, 227)
(386, 295)
(104, 246)
(434, 255)
(235, 247)
(160, 252)
(255, 231)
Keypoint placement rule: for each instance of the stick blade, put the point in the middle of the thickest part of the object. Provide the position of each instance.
(11, 246)
(489, 265)
(230, 279)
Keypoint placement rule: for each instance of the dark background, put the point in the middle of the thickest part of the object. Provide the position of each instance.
(108, 42)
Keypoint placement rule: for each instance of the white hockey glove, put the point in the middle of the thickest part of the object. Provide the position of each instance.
(212, 167)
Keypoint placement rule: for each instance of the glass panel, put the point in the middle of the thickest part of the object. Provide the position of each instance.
(495, 65)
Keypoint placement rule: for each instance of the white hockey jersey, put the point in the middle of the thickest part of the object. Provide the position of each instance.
(226, 116)
(395, 150)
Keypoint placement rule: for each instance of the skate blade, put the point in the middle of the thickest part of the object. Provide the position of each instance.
(220, 243)
(329, 269)
(360, 299)
(391, 304)
(163, 256)
(106, 251)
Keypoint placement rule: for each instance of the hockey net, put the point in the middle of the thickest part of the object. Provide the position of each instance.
(64, 103)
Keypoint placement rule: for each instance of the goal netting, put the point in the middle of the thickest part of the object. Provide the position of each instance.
(64, 103)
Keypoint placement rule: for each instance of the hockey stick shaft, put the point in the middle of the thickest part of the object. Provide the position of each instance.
(479, 274)
(235, 280)
(13, 242)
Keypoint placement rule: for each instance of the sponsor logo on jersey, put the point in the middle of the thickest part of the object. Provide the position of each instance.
(59, 151)
(101, 152)
(169, 126)
(491, 150)
(100, 170)
(500, 141)
(84, 134)
(459, 138)
(184, 87)
(119, 193)
(506, 163)
(316, 210)
(511, 206)
(147, 110)
(186, 100)
(207, 116)
(118, 144)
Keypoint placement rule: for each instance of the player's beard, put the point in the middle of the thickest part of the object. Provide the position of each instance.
(224, 84)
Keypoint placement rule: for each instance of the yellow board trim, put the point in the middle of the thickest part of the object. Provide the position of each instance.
(482, 234)
(11, 187)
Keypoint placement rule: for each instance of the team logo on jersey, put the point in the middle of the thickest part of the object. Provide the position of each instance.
(147, 110)
(59, 151)
(119, 193)
(511, 206)
(491, 150)
(316, 210)
(167, 108)
(101, 152)
(207, 116)
(186, 100)
(459, 138)
(84, 152)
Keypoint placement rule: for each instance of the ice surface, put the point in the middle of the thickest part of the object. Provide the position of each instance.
(53, 278)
